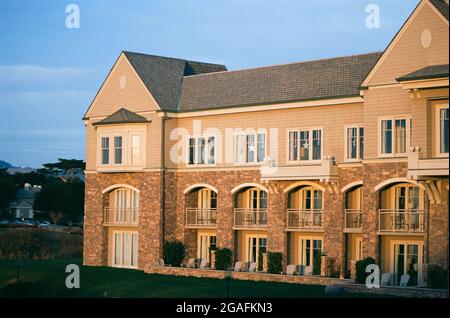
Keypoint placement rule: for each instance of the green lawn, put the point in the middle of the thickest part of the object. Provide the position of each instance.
(47, 279)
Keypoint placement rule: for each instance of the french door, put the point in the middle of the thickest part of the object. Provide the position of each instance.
(207, 200)
(407, 258)
(125, 249)
(204, 245)
(126, 205)
(310, 249)
(255, 244)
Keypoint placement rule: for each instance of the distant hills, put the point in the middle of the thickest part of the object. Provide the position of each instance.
(4, 164)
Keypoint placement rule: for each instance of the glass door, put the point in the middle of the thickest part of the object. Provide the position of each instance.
(205, 243)
(255, 246)
(310, 251)
(125, 249)
(407, 260)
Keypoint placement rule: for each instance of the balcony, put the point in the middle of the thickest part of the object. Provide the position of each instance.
(250, 218)
(201, 218)
(425, 167)
(401, 221)
(353, 221)
(313, 170)
(305, 219)
(121, 216)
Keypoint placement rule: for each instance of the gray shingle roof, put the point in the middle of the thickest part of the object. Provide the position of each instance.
(442, 6)
(122, 116)
(163, 76)
(312, 80)
(434, 71)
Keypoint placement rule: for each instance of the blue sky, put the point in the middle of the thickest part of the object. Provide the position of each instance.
(49, 73)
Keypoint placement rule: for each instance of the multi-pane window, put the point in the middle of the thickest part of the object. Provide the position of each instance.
(105, 150)
(211, 147)
(126, 249)
(201, 151)
(121, 147)
(354, 143)
(443, 129)
(250, 148)
(305, 145)
(118, 149)
(293, 145)
(261, 148)
(394, 136)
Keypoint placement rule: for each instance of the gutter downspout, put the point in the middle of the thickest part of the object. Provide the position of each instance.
(163, 177)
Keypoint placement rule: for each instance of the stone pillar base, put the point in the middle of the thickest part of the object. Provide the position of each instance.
(213, 260)
(264, 262)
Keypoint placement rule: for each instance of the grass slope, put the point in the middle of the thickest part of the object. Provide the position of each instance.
(46, 278)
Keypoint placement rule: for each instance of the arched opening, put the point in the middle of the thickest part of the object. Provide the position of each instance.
(401, 221)
(250, 222)
(121, 216)
(201, 201)
(305, 227)
(305, 207)
(353, 198)
(121, 206)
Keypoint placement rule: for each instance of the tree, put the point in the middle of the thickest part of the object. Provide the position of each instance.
(8, 190)
(65, 169)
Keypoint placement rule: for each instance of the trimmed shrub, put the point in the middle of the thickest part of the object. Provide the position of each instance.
(361, 265)
(174, 253)
(437, 277)
(317, 265)
(274, 262)
(260, 259)
(223, 258)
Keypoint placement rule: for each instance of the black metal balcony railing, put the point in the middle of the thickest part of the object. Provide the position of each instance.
(298, 219)
(201, 217)
(407, 221)
(353, 219)
(121, 216)
(250, 218)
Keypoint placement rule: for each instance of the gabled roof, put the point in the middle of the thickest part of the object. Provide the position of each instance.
(312, 80)
(434, 71)
(163, 76)
(442, 7)
(122, 116)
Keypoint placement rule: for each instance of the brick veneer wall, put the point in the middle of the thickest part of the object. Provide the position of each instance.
(150, 226)
(150, 217)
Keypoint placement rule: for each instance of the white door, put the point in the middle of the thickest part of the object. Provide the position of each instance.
(125, 249)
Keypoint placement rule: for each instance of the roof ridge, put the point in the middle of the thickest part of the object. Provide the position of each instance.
(171, 58)
(285, 64)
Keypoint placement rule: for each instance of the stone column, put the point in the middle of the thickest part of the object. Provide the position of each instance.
(225, 219)
(265, 262)
(95, 246)
(370, 222)
(333, 225)
(276, 220)
(213, 260)
(436, 245)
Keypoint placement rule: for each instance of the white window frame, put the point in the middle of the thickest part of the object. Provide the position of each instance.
(127, 134)
(123, 150)
(407, 118)
(113, 261)
(310, 150)
(100, 147)
(438, 130)
(244, 135)
(358, 144)
(248, 252)
(196, 150)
